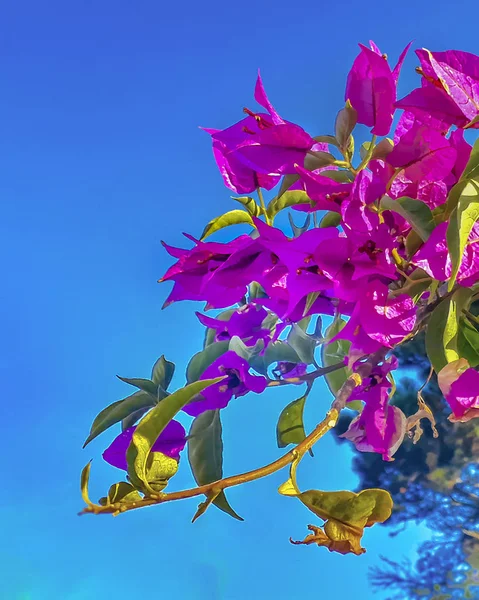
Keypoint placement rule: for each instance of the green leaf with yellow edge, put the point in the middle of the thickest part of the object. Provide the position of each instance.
(416, 213)
(290, 427)
(333, 353)
(443, 328)
(84, 479)
(118, 411)
(330, 219)
(162, 372)
(150, 427)
(291, 198)
(461, 222)
(203, 359)
(250, 205)
(205, 455)
(232, 217)
(120, 492)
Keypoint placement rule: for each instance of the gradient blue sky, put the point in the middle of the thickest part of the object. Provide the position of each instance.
(100, 158)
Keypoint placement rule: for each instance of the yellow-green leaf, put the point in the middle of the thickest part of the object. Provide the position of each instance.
(250, 204)
(85, 477)
(291, 198)
(152, 424)
(121, 492)
(461, 222)
(290, 427)
(333, 353)
(442, 329)
(330, 219)
(232, 217)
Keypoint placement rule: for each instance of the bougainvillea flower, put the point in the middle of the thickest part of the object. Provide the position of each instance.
(171, 442)
(371, 89)
(289, 370)
(463, 150)
(450, 89)
(237, 176)
(194, 269)
(325, 193)
(263, 142)
(387, 320)
(238, 383)
(460, 385)
(423, 153)
(246, 323)
(378, 429)
(433, 257)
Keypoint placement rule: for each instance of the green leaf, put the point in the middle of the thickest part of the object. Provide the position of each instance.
(333, 353)
(232, 217)
(340, 175)
(443, 327)
(146, 385)
(205, 454)
(237, 345)
(317, 159)
(416, 213)
(201, 360)
(255, 291)
(291, 198)
(85, 478)
(310, 300)
(461, 222)
(286, 183)
(330, 219)
(381, 150)
(117, 411)
(121, 492)
(297, 231)
(130, 420)
(326, 139)
(152, 424)
(413, 243)
(472, 168)
(290, 427)
(302, 343)
(275, 352)
(345, 123)
(250, 204)
(162, 372)
(159, 469)
(468, 342)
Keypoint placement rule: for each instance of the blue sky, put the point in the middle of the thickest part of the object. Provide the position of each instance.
(101, 158)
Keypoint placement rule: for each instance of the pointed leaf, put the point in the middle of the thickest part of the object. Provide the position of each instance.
(297, 231)
(416, 213)
(443, 327)
(232, 217)
(146, 385)
(326, 139)
(162, 372)
(152, 424)
(205, 454)
(468, 342)
(291, 198)
(117, 411)
(333, 353)
(250, 205)
(345, 123)
(201, 360)
(290, 427)
(472, 168)
(330, 219)
(462, 220)
(302, 343)
(85, 478)
(286, 183)
(121, 492)
(130, 420)
(275, 352)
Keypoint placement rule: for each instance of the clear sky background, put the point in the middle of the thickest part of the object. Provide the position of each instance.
(100, 159)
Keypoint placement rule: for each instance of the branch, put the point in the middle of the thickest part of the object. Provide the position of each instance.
(216, 487)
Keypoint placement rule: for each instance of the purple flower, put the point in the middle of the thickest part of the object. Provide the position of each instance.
(450, 90)
(460, 386)
(262, 143)
(433, 257)
(246, 323)
(171, 442)
(423, 153)
(325, 193)
(371, 89)
(238, 383)
(289, 370)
